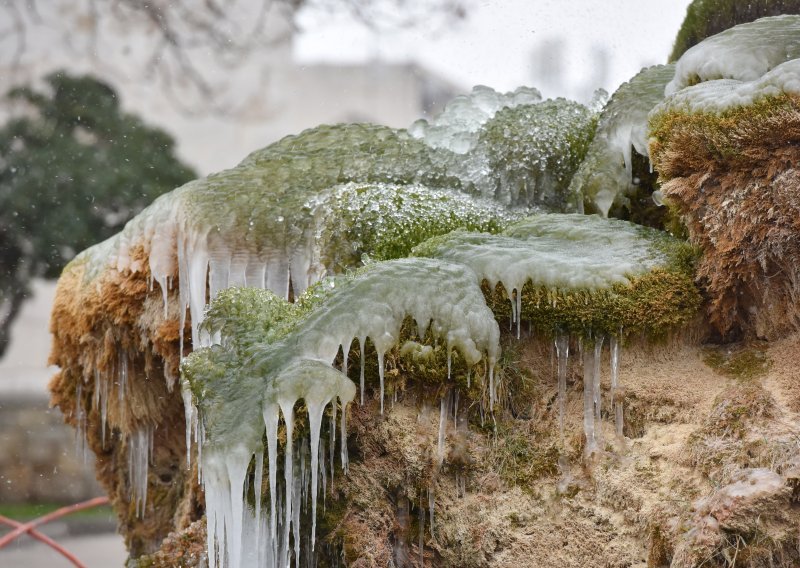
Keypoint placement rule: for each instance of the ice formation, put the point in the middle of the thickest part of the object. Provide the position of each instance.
(262, 399)
(607, 171)
(557, 252)
(716, 96)
(739, 53)
(562, 254)
(456, 128)
(531, 153)
(242, 398)
(277, 220)
(513, 148)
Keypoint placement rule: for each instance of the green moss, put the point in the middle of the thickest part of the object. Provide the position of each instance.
(521, 459)
(744, 362)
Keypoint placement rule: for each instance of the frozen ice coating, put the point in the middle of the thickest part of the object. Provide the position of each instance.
(530, 153)
(272, 354)
(283, 218)
(456, 128)
(743, 53)
(716, 96)
(140, 448)
(298, 259)
(387, 220)
(572, 252)
(607, 169)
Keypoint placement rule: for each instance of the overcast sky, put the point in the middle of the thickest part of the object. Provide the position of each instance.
(494, 45)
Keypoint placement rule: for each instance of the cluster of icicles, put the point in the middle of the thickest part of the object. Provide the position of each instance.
(592, 393)
(443, 299)
(139, 442)
(442, 295)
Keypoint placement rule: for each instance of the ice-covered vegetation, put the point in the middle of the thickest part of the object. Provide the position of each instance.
(740, 53)
(259, 370)
(606, 175)
(366, 244)
(271, 246)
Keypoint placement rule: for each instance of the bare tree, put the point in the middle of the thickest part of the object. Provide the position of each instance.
(185, 45)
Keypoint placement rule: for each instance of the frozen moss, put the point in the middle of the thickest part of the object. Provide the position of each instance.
(457, 127)
(386, 221)
(243, 386)
(742, 53)
(607, 174)
(580, 274)
(532, 151)
(705, 18)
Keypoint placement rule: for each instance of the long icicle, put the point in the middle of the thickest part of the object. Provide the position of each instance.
(596, 392)
(562, 352)
(618, 416)
(588, 402)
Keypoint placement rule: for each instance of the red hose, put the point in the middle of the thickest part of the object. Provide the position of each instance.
(22, 528)
(45, 539)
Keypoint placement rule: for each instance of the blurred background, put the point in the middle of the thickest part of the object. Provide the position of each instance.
(105, 104)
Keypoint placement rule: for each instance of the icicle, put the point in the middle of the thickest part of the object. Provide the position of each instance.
(296, 505)
(449, 361)
(492, 394)
(513, 310)
(618, 410)
(431, 505)
(442, 428)
(122, 376)
(332, 433)
(287, 407)
(270, 414)
(103, 409)
(96, 391)
(323, 466)
(189, 413)
(362, 345)
(596, 392)
(198, 277)
(315, 412)
(162, 283)
(140, 443)
(200, 439)
(562, 352)
(303, 451)
(519, 310)
(380, 374)
(346, 355)
(343, 436)
(469, 378)
(236, 463)
(257, 482)
(588, 402)
(80, 418)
